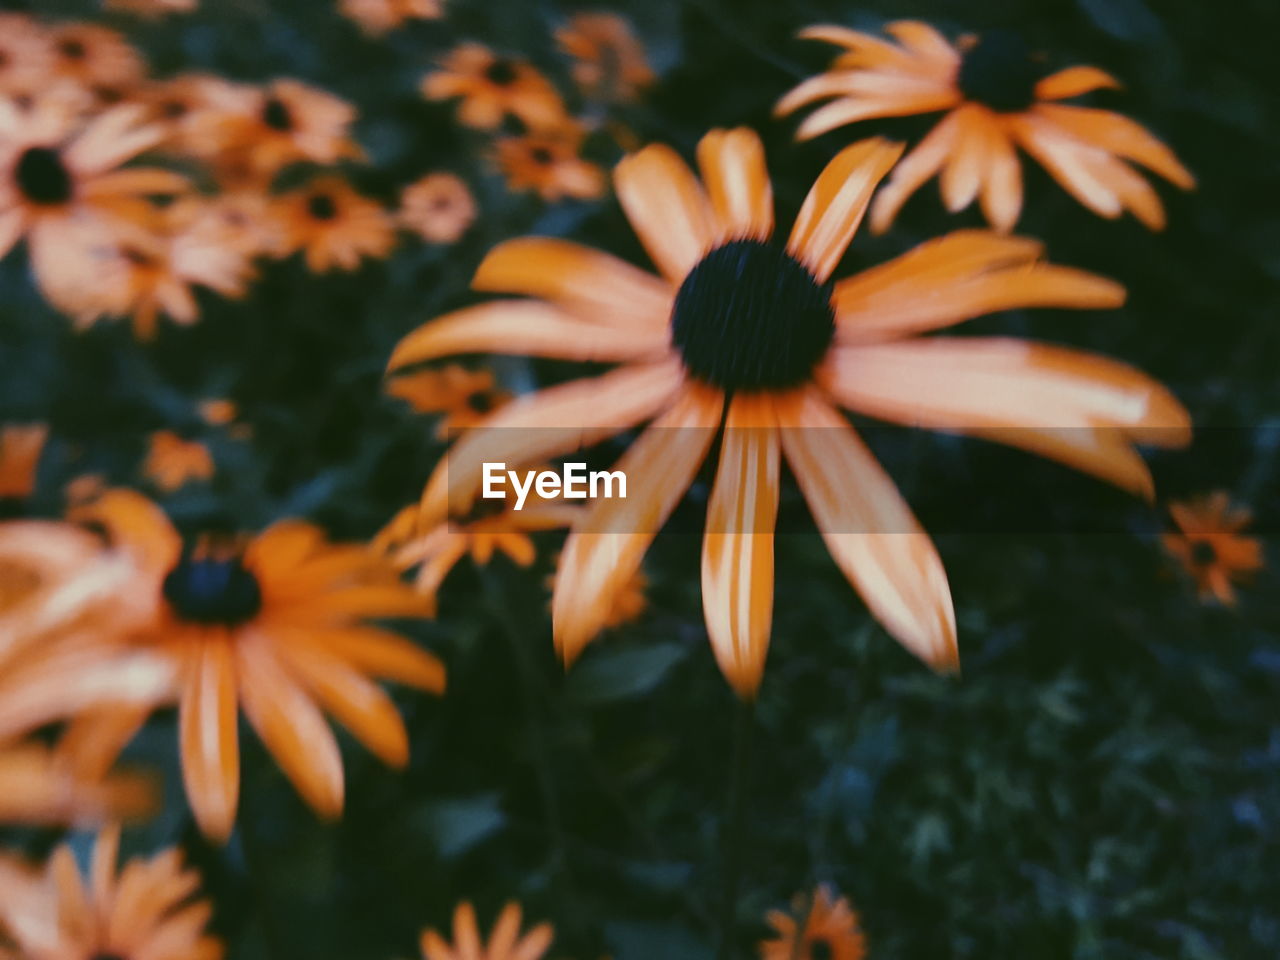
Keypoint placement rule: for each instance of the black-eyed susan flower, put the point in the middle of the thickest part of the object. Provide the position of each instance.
(287, 122)
(549, 163)
(491, 87)
(376, 17)
(149, 910)
(505, 942)
(20, 447)
(63, 189)
(463, 397)
(609, 62)
(439, 208)
(820, 927)
(752, 333)
(1211, 546)
(38, 785)
(173, 462)
(200, 112)
(332, 225)
(997, 98)
(26, 56)
(96, 58)
(434, 551)
(276, 627)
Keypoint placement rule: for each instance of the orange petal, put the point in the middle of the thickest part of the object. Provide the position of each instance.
(667, 207)
(387, 656)
(210, 748)
(1078, 408)
(1118, 134)
(94, 741)
(925, 41)
(850, 110)
(737, 552)
(607, 545)
(1073, 81)
(733, 168)
(1002, 186)
(836, 203)
(967, 165)
(1068, 161)
(136, 523)
(591, 284)
(918, 166)
(525, 327)
(869, 529)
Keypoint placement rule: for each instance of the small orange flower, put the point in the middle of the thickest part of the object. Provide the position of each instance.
(376, 17)
(505, 942)
(436, 551)
(439, 208)
(332, 225)
(997, 98)
(151, 9)
(144, 912)
(549, 163)
(20, 449)
(173, 462)
(275, 626)
(828, 930)
(491, 87)
(218, 412)
(290, 122)
(464, 396)
(198, 111)
(26, 56)
(97, 58)
(39, 786)
(609, 63)
(1210, 545)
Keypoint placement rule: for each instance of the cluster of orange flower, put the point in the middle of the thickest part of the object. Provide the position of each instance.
(746, 340)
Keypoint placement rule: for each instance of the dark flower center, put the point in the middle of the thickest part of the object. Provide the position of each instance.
(751, 317)
(820, 950)
(480, 402)
(1203, 553)
(276, 115)
(174, 109)
(322, 207)
(213, 591)
(42, 176)
(72, 49)
(501, 73)
(1000, 73)
(541, 156)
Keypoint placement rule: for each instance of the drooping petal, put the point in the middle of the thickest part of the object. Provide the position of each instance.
(667, 207)
(737, 551)
(925, 41)
(1001, 196)
(966, 167)
(1073, 81)
(871, 533)
(836, 204)
(733, 168)
(387, 656)
(1078, 408)
(918, 166)
(593, 285)
(1118, 134)
(210, 745)
(1068, 161)
(850, 110)
(606, 547)
(528, 327)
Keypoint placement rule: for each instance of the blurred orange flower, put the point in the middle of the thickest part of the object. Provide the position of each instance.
(827, 930)
(491, 87)
(998, 98)
(332, 224)
(97, 58)
(172, 462)
(274, 626)
(439, 208)
(289, 122)
(144, 912)
(505, 942)
(199, 111)
(26, 56)
(39, 786)
(218, 412)
(740, 326)
(464, 396)
(549, 163)
(376, 17)
(20, 449)
(609, 62)
(1211, 546)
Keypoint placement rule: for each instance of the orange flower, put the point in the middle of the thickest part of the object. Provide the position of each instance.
(39, 786)
(436, 550)
(20, 449)
(26, 56)
(151, 9)
(173, 462)
(218, 412)
(464, 396)
(439, 208)
(609, 63)
(829, 930)
(60, 187)
(997, 98)
(376, 17)
(144, 912)
(491, 87)
(1210, 546)
(505, 942)
(743, 327)
(275, 627)
(290, 122)
(549, 163)
(332, 225)
(97, 58)
(198, 111)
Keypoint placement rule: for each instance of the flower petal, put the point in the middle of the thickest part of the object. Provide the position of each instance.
(667, 208)
(210, 744)
(1118, 134)
(1073, 81)
(918, 166)
(733, 168)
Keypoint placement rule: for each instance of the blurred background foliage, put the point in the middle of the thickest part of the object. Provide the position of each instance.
(1104, 782)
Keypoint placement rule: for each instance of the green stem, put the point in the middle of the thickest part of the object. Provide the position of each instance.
(732, 833)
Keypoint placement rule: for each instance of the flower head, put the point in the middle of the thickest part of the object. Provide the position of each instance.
(332, 225)
(96, 58)
(26, 56)
(549, 162)
(997, 98)
(463, 396)
(609, 62)
(376, 17)
(172, 462)
(505, 942)
(822, 927)
(1211, 546)
(288, 122)
(491, 87)
(749, 338)
(439, 208)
